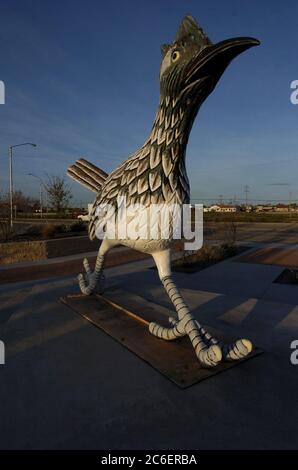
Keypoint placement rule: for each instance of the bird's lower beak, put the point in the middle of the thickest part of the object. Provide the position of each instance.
(214, 59)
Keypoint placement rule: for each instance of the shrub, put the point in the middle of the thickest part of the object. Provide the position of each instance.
(33, 231)
(230, 232)
(78, 227)
(62, 228)
(228, 249)
(48, 231)
(207, 255)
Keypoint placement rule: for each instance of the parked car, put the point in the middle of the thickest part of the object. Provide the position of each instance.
(84, 217)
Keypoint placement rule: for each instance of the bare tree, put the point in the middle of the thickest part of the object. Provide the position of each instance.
(230, 229)
(59, 192)
(24, 203)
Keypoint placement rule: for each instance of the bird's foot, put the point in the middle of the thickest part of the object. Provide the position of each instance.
(230, 352)
(237, 350)
(90, 281)
(209, 355)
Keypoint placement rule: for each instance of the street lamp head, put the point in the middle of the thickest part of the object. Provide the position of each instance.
(25, 143)
(36, 176)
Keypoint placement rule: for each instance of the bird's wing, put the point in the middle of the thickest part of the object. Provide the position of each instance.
(126, 180)
(87, 174)
(147, 177)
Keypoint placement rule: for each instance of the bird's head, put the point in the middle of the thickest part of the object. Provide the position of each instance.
(192, 65)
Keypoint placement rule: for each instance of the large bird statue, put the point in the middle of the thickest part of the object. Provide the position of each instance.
(155, 174)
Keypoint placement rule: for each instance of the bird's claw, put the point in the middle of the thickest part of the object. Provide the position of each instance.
(237, 350)
(87, 267)
(85, 288)
(230, 352)
(217, 350)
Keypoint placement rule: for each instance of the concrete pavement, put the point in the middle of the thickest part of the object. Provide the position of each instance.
(68, 385)
(63, 266)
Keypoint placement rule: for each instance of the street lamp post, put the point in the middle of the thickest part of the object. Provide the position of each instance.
(10, 177)
(10, 186)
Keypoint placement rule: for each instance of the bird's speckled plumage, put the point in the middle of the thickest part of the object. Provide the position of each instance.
(156, 172)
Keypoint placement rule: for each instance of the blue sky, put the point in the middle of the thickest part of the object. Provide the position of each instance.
(82, 80)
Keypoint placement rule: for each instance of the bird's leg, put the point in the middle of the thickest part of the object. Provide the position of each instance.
(208, 349)
(90, 276)
(94, 277)
(209, 355)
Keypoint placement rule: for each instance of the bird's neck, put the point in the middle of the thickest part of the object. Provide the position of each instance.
(171, 127)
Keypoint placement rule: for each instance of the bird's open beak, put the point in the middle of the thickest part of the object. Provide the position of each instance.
(213, 60)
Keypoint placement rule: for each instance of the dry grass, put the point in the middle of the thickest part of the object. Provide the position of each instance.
(5, 230)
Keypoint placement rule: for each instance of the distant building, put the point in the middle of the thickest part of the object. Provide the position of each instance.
(281, 208)
(221, 208)
(264, 208)
(213, 208)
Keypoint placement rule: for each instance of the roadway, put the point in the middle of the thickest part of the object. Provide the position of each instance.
(273, 232)
(264, 232)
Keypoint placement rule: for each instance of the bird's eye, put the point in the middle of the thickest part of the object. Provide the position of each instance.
(175, 56)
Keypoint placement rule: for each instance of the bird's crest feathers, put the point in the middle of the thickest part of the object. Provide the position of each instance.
(189, 30)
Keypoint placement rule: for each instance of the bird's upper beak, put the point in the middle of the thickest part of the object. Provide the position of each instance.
(212, 61)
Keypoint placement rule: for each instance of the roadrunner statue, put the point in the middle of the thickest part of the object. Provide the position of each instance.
(156, 174)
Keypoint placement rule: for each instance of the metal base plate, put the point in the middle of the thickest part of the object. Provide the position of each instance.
(125, 317)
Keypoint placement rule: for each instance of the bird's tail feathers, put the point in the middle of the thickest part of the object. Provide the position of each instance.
(87, 174)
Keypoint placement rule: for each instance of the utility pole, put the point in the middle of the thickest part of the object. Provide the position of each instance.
(40, 200)
(246, 191)
(41, 184)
